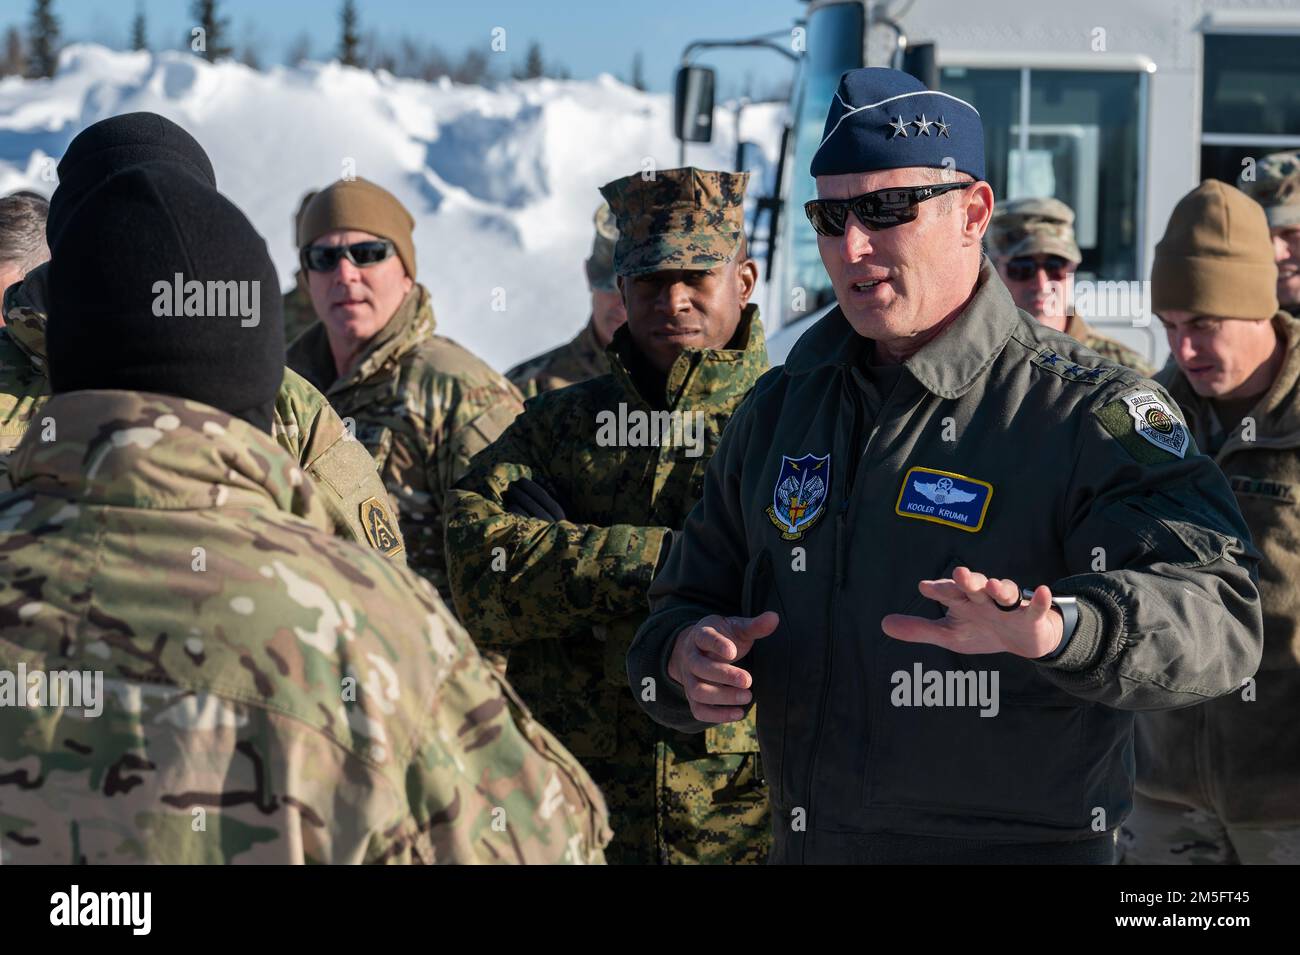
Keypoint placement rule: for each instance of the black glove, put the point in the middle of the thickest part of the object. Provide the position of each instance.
(527, 498)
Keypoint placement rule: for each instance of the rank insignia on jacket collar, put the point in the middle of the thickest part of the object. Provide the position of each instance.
(943, 497)
(799, 497)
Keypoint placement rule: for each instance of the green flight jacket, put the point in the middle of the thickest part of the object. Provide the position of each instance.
(1129, 518)
(565, 598)
(1239, 757)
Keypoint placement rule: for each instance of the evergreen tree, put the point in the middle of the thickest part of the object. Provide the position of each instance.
(44, 37)
(214, 31)
(139, 33)
(349, 39)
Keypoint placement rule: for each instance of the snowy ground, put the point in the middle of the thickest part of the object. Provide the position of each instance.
(502, 183)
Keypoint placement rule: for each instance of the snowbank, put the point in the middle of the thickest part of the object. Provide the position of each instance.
(502, 183)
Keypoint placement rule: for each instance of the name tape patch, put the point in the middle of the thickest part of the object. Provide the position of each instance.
(944, 498)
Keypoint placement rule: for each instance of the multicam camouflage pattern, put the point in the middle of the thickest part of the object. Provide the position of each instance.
(1033, 227)
(1107, 348)
(422, 406)
(299, 313)
(680, 219)
(272, 694)
(565, 598)
(304, 423)
(1276, 187)
(574, 361)
(600, 264)
(1159, 833)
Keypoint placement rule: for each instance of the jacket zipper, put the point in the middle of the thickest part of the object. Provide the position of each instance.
(836, 582)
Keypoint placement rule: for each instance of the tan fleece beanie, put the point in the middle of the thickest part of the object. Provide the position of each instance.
(1216, 257)
(361, 205)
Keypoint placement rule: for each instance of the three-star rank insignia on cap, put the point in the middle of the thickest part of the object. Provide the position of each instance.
(943, 497)
(379, 528)
(799, 496)
(898, 127)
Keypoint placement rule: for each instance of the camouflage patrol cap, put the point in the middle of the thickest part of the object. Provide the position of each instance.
(1276, 187)
(1033, 227)
(600, 264)
(680, 219)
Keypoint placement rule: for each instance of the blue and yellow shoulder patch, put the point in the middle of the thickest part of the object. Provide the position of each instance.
(943, 497)
(1070, 371)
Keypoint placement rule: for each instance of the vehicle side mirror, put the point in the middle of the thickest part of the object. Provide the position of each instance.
(693, 104)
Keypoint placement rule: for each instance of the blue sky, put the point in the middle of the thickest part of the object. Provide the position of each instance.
(587, 36)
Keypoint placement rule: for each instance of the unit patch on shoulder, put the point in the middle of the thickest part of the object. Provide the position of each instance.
(799, 497)
(379, 527)
(1060, 365)
(944, 498)
(1142, 421)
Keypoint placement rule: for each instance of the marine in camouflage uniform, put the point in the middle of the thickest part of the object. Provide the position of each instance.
(421, 404)
(1040, 229)
(1276, 187)
(564, 592)
(271, 694)
(304, 425)
(584, 356)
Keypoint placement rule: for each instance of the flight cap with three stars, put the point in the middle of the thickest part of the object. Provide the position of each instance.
(887, 119)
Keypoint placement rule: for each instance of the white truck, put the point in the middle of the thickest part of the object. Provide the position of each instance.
(1116, 107)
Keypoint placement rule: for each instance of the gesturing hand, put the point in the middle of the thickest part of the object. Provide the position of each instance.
(702, 661)
(974, 625)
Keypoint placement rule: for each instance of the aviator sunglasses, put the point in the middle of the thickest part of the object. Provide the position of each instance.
(325, 258)
(882, 209)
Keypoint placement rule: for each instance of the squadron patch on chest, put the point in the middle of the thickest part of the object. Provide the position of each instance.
(379, 527)
(799, 497)
(944, 498)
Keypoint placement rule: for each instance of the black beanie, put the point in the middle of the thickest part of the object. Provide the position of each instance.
(114, 144)
(114, 321)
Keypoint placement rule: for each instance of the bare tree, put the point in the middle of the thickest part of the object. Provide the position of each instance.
(15, 54)
(299, 50)
(472, 69)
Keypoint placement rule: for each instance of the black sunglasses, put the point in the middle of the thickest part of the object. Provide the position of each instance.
(882, 209)
(1024, 267)
(326, 258)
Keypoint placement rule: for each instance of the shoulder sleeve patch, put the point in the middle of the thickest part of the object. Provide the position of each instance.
(1070, 371)
(1145, 424)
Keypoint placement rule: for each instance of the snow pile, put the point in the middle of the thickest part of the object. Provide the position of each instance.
(502, 183)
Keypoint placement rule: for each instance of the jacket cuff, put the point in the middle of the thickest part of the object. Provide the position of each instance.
(648, 657)
(1085, 646)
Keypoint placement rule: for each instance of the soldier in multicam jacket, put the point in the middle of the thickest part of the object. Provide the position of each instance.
(252, 688)
(555, 533)
(305, 425)
(584, 356)
(1276, 187)
(1031, 242)
(420, 403)
(271, 694)
(299, 315)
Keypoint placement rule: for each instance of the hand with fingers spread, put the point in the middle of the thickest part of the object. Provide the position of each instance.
(703, 661)
(974, 624)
